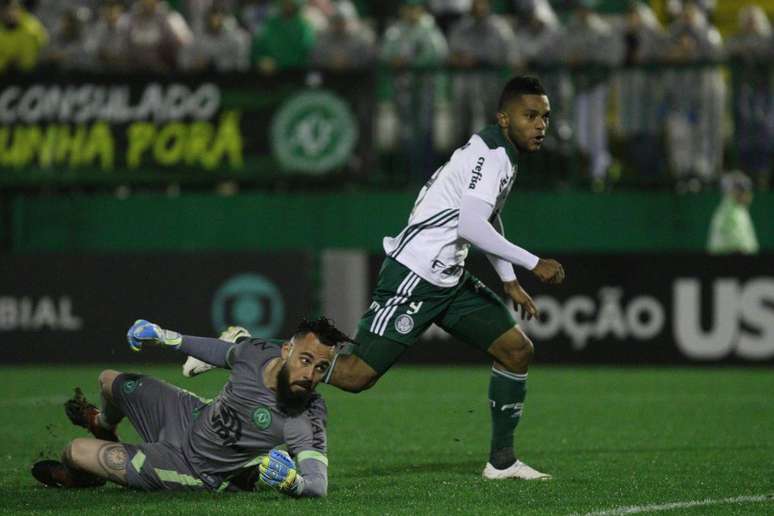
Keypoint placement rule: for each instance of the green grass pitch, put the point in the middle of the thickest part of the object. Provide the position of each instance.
(417, 442)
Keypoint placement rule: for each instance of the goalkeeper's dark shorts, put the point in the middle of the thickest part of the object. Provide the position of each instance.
(405, 305)
(162, 414)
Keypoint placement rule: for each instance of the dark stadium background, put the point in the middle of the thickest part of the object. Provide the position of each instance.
(199, 199)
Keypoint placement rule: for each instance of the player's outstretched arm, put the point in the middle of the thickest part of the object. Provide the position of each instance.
(210, 350)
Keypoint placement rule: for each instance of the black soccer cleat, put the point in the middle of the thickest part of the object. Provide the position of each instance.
(53, 473)
(82, 413)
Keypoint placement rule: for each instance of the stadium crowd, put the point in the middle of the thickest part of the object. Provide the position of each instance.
(684, 101)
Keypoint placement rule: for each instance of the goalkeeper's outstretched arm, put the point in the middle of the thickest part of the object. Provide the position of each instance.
(212, 351)
(207, 349)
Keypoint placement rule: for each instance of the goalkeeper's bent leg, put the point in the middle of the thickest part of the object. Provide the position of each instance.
(110, 414)
(94, 457)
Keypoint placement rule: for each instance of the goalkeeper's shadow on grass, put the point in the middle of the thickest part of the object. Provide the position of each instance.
(108, 497)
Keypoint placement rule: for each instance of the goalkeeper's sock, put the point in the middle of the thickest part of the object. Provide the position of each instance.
(506, 400)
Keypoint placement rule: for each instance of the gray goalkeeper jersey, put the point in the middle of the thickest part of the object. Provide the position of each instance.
(244, 423)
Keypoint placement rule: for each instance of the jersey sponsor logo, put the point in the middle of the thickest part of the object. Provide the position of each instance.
(227, 425)
(314, 132)
(477, 174)
(404, 324)
(262, 418)
(318, 434)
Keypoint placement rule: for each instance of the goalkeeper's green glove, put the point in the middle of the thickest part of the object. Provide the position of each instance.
(144, 332)
(278, 471)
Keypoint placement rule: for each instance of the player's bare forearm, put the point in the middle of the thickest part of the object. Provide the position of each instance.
(351, 374)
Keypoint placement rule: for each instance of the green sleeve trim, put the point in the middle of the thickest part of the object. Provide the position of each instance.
(254, 462)
(310, 454)
(167, 475)
(138, 461)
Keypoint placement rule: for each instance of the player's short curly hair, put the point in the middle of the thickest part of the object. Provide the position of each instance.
(520, 85)
(326, 331)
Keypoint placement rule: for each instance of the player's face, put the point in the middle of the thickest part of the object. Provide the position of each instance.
(525, 120)
(307, 362)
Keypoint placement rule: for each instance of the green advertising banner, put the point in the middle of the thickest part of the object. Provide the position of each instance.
(97, 129)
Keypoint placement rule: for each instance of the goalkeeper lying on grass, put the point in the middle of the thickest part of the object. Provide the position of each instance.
(191, 443)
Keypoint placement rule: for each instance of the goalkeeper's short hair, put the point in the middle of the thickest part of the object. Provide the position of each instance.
(324, 329)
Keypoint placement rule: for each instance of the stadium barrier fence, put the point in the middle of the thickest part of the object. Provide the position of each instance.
(646, 126)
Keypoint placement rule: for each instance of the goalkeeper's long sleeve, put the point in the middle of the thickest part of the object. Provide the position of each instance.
(315, 474)
(212, 351)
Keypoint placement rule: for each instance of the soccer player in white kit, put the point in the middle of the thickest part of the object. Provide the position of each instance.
(423, 279)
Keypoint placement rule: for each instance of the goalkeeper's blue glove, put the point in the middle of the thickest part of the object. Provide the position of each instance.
(144, 332)
(278, 471)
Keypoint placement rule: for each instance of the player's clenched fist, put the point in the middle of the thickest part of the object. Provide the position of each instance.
(278, 471)
(549, 271)
(145, 332)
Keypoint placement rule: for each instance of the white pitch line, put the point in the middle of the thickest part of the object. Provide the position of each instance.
(634, 509)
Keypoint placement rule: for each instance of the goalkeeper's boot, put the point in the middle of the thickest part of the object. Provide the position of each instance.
(53, 473)
(193, 366)
(516, 470)
(82, 413)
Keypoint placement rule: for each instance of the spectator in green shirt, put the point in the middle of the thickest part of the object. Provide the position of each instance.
(732, 230)
(22, 37)
(286, 39)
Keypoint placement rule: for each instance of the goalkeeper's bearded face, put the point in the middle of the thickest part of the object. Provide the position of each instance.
(306, 362)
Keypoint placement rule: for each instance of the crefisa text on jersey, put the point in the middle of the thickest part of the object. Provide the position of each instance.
(476, 173)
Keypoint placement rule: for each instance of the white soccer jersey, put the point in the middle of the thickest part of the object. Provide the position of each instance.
(429, 245)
